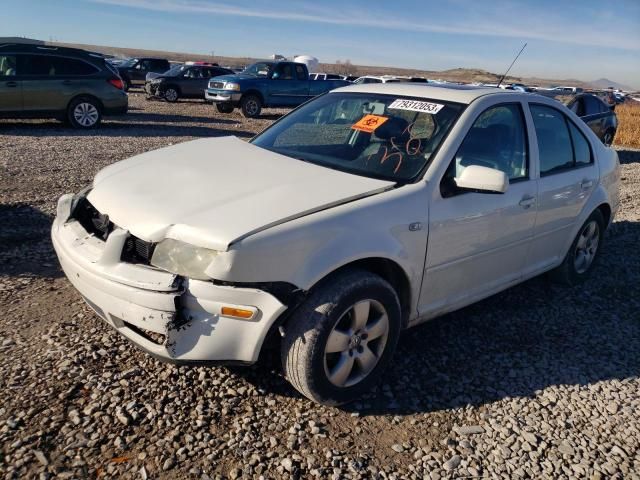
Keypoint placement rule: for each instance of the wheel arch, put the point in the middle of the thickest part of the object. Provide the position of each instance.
(85, 95)
(255, 92)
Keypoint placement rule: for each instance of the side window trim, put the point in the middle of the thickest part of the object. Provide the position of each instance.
(567, 120)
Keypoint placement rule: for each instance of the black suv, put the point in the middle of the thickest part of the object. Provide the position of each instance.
(55, 82)
(598, 115)
(134, 71)
(184, 81)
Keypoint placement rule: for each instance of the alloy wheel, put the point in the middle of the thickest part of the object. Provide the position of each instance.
(86, 114)
(586, 247)
(356, 343)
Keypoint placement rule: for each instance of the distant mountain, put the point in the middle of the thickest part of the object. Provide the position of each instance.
(606, 83)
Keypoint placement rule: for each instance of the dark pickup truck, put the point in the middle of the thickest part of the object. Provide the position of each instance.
(134, 70)
(267, 84)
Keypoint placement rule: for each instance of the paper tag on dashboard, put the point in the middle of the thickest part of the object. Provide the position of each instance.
(369, 123)
(416, 106)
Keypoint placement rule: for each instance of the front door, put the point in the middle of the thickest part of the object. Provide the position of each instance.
(478, 242)
(568, 176)
(284, 88)
(10, 85)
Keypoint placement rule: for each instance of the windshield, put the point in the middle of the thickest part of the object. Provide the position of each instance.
(175, 70)
(381, 136)
(260, 69)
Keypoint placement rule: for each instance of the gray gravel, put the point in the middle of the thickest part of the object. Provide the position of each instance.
(537, 382)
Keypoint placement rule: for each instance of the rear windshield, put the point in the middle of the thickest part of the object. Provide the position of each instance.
(379, 136)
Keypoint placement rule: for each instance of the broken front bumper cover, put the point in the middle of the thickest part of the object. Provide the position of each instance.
(175, 319)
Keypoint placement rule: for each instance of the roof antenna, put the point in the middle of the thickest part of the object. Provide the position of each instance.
(514, 61)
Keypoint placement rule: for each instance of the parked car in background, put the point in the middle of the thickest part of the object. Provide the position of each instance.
(185, 81)
(567, 90)
(366, 211)
(134, 70)
(600, 117)
(55, 82)
(380, 79)
(269, 83)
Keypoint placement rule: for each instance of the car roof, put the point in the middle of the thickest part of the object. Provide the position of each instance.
(48, 49)
(445, 92)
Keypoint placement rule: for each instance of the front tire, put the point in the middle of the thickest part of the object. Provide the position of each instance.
(171, 94)
(584, 252)
(341, 339)
(251, 106)
(224, 107)
(84, 113)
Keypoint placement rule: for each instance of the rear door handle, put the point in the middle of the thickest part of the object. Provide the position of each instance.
(11, 84)
(527, 201)
(586, 184)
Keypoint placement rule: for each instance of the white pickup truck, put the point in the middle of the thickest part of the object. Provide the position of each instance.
(366, 211)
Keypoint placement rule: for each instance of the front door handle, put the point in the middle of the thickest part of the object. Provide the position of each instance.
(11, 84)
(527, 201)
(586, 184)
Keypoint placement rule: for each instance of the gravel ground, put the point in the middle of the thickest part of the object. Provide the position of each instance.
(539, 381)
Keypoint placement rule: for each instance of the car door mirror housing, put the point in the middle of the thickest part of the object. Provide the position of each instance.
(481, 179)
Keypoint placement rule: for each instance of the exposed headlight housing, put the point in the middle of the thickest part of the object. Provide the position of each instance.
(232, 86)
(182, 258)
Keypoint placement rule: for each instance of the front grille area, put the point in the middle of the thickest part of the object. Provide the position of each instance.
(99, 225)
(91, 220)
(137, 251)
(219, 85)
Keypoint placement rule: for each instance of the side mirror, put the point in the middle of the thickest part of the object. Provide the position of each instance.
(275, 76)
(482, 180)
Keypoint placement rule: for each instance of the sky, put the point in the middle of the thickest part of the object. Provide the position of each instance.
(566, 39)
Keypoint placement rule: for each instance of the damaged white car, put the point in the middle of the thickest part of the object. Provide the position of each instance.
(365, 211)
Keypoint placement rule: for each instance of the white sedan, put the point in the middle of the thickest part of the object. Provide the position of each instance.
(366, 211)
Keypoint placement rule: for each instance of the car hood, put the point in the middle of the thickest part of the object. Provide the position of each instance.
(212, 192)
(237, 77)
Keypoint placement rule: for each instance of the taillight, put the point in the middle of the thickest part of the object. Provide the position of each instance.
(116, 82)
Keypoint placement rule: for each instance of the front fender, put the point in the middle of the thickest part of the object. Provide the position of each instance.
(305, 250)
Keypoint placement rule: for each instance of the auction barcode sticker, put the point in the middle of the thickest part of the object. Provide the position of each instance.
(416, 106)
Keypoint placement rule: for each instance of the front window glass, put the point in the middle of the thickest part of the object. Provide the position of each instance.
(379, 136)
(260, 69)
(497, 139)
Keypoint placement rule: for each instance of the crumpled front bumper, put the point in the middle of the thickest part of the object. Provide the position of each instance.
(173, 318)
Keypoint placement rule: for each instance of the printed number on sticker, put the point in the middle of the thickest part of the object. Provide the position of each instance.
(416, 106)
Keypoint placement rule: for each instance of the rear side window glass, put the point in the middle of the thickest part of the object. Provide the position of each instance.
(592, 105)
(580, 146)
(497, 140)
(554, 142)
(52, 66)
(7, 65)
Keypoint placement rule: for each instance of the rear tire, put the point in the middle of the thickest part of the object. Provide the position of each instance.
(341, 339)
(224, 107)
(251, 106)
(584, 252)
(84, 113)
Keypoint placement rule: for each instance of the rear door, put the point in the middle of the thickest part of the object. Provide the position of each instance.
(10, 85)
(568, 176)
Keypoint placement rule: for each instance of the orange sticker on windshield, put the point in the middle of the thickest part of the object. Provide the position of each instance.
(369, 123)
